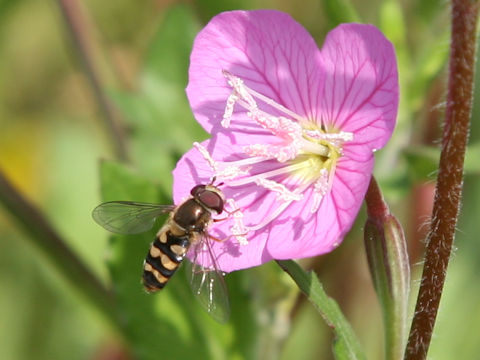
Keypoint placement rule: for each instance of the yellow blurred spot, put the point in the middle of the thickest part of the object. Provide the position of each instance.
(21, 150)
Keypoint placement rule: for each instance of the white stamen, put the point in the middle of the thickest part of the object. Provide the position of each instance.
(316, 134)
(238, 230)
(229, 172)
(320, 188)
(240, 89)
(268, 174)
(206, 155)
(336, 139)
(227, 116)
(265, 99)
(342, 135)
(247, 161)
(281, 153)
(331, 175)
(282, 192)
(278, 126)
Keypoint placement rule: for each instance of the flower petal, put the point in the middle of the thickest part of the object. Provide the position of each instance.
(272, 53)
(351, 86)
(360, 83)
(294, 237)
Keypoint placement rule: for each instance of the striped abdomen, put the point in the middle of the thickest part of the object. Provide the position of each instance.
(163, 259)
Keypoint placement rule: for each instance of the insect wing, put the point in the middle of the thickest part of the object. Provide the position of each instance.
(128, 217)
(207, 283)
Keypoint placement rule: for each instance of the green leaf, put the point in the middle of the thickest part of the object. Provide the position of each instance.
(341, 351)
(164, 77)
(429, 64)
(340, 11)
(168, 56)
(154, 151)
(422, 162)
(392, 22)
(243, 326)
(210, 8)
(346, 345)
(472, 165)
(393, 26)
(308, 338)
(159, 117)
(427, 9)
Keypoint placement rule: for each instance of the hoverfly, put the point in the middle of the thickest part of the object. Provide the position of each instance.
(185, 231)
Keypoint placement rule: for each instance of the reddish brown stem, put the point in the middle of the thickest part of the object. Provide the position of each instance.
(450, 176)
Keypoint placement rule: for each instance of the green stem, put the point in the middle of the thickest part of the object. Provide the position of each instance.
(78, 28)
(450, 176)
(55, 248)
(347, 343)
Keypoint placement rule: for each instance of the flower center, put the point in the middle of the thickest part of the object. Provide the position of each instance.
(299, 156)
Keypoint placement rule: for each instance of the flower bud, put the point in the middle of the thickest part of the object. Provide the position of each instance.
(389, 266)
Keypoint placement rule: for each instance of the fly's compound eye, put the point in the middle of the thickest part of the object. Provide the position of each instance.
(197, 189)
(210, 200)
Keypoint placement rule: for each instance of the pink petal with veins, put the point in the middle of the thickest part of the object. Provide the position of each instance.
(359, 91)
(319, 233)
(271, 52)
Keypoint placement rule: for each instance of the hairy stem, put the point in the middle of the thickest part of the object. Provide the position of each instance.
(450, 176)
(78, 28)
(55, 248)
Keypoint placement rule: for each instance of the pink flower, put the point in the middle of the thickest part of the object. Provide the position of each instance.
(293, 131)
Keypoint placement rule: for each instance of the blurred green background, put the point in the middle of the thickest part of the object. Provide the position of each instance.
(53, 137)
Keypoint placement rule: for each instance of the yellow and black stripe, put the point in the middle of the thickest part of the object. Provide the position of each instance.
(165, 255)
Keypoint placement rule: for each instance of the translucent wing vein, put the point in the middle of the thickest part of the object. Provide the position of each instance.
(128, 217)
(207, 283)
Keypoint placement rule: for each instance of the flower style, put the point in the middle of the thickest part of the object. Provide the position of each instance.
(293, 131)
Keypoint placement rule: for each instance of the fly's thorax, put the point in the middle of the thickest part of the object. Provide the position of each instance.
(191, 216)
